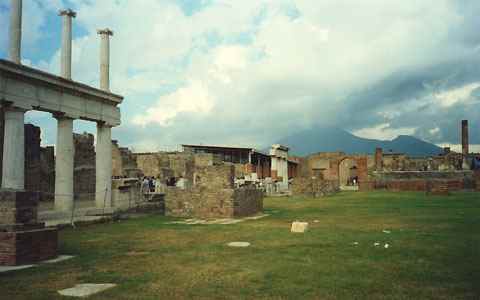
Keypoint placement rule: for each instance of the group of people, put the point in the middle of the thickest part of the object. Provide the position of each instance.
(148, 185)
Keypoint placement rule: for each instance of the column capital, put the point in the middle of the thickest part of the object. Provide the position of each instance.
(13, 108)
(105, 31)
(61, 115)
(104, 124)
(67, 12)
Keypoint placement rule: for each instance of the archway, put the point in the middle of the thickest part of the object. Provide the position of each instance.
(348, 174)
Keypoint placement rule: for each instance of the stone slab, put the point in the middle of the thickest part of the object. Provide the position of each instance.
(239, 244)
(60, 258)
(299, 227)
(86, 289)
(4, 269)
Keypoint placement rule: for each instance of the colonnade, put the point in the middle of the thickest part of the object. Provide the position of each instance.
(14, 136)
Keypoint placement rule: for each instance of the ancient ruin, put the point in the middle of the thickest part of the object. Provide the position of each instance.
(22, 89)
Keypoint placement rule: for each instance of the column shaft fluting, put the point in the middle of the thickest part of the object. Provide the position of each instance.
(64, 161)
(15, 33)
(13, 173)
(103, 187)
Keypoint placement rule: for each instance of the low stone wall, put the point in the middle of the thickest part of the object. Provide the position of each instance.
(247, 201)
(420, 181)
(414, 185)
(313, 186)
(202, 202)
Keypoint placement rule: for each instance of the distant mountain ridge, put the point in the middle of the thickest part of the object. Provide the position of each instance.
(331, 139)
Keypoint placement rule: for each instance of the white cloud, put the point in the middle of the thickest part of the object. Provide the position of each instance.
(453, 96)
(259, 68)
(191, 99)
(383, 132)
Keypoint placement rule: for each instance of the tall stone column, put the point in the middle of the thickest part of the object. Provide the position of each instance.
(64, 164)
(105, 58)
(13, 176)
(15, 33)
(66, 60)
(103, 187)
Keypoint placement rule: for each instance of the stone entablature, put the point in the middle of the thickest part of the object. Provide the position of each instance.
(31, 89)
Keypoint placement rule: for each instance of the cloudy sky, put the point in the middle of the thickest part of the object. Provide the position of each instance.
(248, 72)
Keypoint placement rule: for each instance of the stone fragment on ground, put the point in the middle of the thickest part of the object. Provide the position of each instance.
(299, 227)
(86, 289)
(239, 244)
(387, 231)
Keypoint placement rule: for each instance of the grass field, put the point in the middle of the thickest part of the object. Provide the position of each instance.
(434, 253)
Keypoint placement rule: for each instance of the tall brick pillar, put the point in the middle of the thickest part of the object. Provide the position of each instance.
(2, 122)
(465, 144)
(379, 159)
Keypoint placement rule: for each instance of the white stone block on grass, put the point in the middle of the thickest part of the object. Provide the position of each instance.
(299, 227)
(86, 289)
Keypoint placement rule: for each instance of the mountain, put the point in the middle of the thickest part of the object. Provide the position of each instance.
(330, 139)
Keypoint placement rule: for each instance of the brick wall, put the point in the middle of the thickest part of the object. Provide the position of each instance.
(313, 186)
(22, 239)
(84, 175)
(2, 124)
(26, 247)
(247, 201)
(215, 177)
(213, 196)
(18, 207)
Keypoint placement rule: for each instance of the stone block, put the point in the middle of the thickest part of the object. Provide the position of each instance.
(299, 227)
(27, 247)
(17, 207)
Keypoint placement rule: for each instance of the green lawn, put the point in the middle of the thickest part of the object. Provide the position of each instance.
(434, 253)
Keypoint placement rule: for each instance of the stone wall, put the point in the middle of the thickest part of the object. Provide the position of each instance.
(162, 165)
(32, 158)
(2, 124)
(215, 177)
(313, 186)
(213, 196)
(421, 181)
(84, 177)
(124, 162)
(202, 202)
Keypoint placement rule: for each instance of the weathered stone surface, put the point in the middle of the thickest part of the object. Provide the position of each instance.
(17, 207)
(313, 186)
(239, 244)
(299, 227)
(86, 289)
(27, 247)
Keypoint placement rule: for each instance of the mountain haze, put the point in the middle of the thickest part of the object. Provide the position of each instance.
(330, 139)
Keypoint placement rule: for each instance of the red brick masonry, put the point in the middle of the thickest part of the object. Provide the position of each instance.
(27, 247)
(22, 239)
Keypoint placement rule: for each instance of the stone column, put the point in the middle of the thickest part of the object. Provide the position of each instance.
(64, 164)
(105, 58)
(13, 176)
(66, 60)
(379, 159)
(103, 187)
(15, 34)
